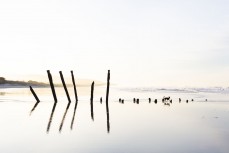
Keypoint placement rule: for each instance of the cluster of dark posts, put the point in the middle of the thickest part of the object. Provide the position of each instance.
(69, 100)
(165, 100)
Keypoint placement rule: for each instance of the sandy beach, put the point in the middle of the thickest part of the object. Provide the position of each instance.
(197, 126)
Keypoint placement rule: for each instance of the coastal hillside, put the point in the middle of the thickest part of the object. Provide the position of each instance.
(9, 83)
(4, 83)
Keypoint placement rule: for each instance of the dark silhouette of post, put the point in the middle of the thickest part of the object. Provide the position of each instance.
(107, 98)
(74, 85)
(51, 116)
(92, 94)
(65, 87)
(52, 86)
(101, 100)
(65, 113)
(108, 87)
(34, 94)
(74, 113)
(137, 101)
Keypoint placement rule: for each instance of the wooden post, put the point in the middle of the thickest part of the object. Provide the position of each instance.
(52, 86)
(92, 92)
(107, 97)
(74, 85)
(65, 87)
(34, 94)
(137, 101)
(108, 87)
(101, 100)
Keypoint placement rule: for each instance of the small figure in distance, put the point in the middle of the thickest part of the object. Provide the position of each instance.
(120, 100)
(171, 101)
(155, 101)
(123, 101)
(179, 100)
(206, 99)
(192, 100)
(134, 100)
(149, 100)
(186, 101)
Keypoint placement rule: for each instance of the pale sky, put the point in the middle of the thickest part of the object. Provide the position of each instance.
(143, 42)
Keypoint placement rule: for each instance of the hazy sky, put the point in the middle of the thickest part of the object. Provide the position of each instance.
(143, 42)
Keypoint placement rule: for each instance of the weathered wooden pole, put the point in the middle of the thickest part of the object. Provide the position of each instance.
(92, 95)
(108, 87)
(34, 94)
(137, 101)
(74, 85)
(107, 98)
(52, 86)
(65, 87)
(101, 100)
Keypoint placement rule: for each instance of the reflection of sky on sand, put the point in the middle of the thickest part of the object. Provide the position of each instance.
(194, 127)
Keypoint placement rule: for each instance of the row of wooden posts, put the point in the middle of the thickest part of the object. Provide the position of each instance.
(76, 97)
(74, 85)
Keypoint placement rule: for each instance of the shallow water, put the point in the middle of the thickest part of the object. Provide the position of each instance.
(197, 126)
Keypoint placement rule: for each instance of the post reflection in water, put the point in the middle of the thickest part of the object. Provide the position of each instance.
(74, 113)
(34, 107)
(108, 121)
(65, 113)
(108, 117)
(92, 110)
(51, 116)
(73, 116)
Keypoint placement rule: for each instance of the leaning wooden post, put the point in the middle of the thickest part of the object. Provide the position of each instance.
(65, 87)
(74, 85)
(92, 94)
(108, 86)
(52, 86)
(34, 94)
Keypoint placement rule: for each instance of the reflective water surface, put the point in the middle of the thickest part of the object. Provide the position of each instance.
(198, 126)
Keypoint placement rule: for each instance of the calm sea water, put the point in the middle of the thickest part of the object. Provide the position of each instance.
(194, 127)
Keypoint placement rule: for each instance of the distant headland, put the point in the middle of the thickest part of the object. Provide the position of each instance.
(4, 83)
(11, 83)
